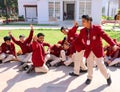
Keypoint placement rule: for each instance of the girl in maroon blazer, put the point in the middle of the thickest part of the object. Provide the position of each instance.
(92, 36)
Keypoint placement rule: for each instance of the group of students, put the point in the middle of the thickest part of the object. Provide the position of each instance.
(83, 50)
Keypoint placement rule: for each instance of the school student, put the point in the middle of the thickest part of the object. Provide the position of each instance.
(25, 45)
(8, 52)
(70, 33)
(92, 36)
(38, 56)
(54, 56)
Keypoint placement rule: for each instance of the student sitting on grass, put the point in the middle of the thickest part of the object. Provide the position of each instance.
(26, 47)
(38, 56)
(112, 57)
(7, 50)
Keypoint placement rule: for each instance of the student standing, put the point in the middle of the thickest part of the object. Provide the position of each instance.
(92, 36)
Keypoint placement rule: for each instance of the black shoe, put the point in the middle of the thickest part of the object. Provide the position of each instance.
(26, 67)
(106, 64)
(88, 81)
(0, 61)
(109, 81)
(73, 74)
(48, 64)
(30, 69)
(58, 64)
(83, 71)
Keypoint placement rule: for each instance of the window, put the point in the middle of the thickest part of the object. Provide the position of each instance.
(54, 11)
(84, 7)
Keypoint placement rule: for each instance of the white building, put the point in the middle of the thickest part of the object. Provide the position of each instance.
(110, 7)
(52, 11)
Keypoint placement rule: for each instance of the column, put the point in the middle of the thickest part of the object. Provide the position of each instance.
(43, 11)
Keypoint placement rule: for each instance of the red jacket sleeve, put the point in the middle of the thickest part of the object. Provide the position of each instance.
(14, 40)
(105, 36)
(73, 30)
(29, 39)
(3, 50)
(13, 50)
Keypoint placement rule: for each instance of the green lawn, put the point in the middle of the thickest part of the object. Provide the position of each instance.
(51, 36)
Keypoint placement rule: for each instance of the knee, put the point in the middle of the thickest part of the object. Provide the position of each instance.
(2, 56)
(62, 52)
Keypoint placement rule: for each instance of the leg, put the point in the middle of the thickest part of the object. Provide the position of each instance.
(102, 67)
(8, 58)
(90, 63)
(28, 57)
(70, 60)
(103, 70)
(55, 60)
(43, 69)
(63, 56)
(47, 57)
(2, 56)
(78, 62)
(117, 60)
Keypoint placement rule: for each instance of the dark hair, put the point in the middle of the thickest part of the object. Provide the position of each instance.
(21, 36)
(40, 34)
(63, 41)
(87, 17)
(7, 38)
(62, 28)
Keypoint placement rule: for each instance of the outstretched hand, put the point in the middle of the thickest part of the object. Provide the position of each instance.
(76, 23)
(10, 33)
(115, 48)
(31, 27)
(35, 38)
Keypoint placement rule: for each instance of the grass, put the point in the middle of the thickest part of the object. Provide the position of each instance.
(51, 35)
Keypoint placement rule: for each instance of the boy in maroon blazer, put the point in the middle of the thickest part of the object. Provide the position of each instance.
(70, 33)
(38, 56)
(26, 47)
(71, 36)
(8, 52)
(92, 36)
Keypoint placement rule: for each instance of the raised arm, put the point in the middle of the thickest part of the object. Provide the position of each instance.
(74, 28)
(29, 39)
(13, 39)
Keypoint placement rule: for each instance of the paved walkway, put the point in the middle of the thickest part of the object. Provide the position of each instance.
(56, 80)
(12, 27)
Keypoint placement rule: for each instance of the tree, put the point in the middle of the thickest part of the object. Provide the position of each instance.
(12, 7)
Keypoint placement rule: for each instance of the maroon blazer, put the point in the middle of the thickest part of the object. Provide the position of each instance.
(72, 35)
(38, 54)
(8, 49)
(96, 34)
(26, 47)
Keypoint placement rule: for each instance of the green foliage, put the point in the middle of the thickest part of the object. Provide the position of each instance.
(11, 5)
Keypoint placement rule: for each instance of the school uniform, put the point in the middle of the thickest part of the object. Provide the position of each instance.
(72, 35)
(77, 50)
(38, 57)
(7, 52)
(65, 56)
(54, 55)
(93, 48)
(26, 47)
